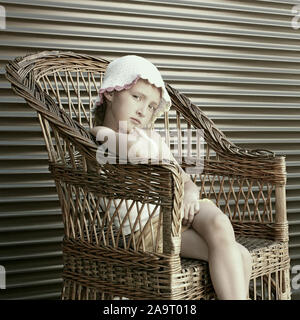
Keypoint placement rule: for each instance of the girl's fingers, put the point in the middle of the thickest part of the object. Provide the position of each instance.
(191, 215)
(186, 215)
(189, 212)
(197, 207)
(185, 219)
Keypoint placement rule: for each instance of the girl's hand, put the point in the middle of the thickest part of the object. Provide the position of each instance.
(100, 132)
(143, 146)
(190, 208)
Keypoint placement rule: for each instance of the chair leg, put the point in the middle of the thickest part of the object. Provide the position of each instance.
(272, 286)
(67, 289)
(284, 290)
(71, 290)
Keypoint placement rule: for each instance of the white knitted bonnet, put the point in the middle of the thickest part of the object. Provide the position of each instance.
(123, 73)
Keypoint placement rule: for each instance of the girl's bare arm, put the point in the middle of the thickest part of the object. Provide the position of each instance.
(103, 134)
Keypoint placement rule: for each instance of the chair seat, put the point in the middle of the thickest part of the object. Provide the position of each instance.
(134, 281)
(268, 256)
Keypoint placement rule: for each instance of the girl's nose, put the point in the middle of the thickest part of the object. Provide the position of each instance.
(140, 113)
(142, 110)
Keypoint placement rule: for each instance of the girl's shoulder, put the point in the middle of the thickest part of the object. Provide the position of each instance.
(100, 132)
(96, 129)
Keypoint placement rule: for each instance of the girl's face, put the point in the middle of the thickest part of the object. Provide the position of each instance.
(139, 102)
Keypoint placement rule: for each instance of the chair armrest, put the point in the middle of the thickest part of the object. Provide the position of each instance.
(214, 137)
(245, 189)
(272, 170)
(158, 184)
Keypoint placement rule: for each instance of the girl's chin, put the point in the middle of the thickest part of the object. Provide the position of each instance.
(130, 126)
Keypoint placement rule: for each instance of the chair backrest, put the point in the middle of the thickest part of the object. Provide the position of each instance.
(73, 80)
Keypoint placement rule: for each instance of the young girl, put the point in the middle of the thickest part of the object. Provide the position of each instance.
(131, 98)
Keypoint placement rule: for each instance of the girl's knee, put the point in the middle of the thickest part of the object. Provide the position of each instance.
(213, 225)
(221, 222)
(220, 230)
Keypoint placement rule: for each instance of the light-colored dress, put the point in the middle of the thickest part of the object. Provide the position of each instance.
(128, 220)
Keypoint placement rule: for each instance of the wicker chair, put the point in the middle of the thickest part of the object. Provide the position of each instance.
(100, 262)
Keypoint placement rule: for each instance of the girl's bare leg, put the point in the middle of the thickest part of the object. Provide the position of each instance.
(247, 260)
(194, 246)
(211, 238)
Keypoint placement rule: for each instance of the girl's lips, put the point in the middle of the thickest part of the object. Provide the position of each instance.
(136, 120)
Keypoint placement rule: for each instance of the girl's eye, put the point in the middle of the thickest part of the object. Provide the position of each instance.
(136, 97)
(152, 107)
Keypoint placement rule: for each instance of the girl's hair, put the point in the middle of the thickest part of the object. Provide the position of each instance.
(99, 113)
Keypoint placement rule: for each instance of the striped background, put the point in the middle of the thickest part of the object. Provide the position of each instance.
(238, 60)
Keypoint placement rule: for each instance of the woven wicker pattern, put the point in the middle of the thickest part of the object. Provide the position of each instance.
(100, 261)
